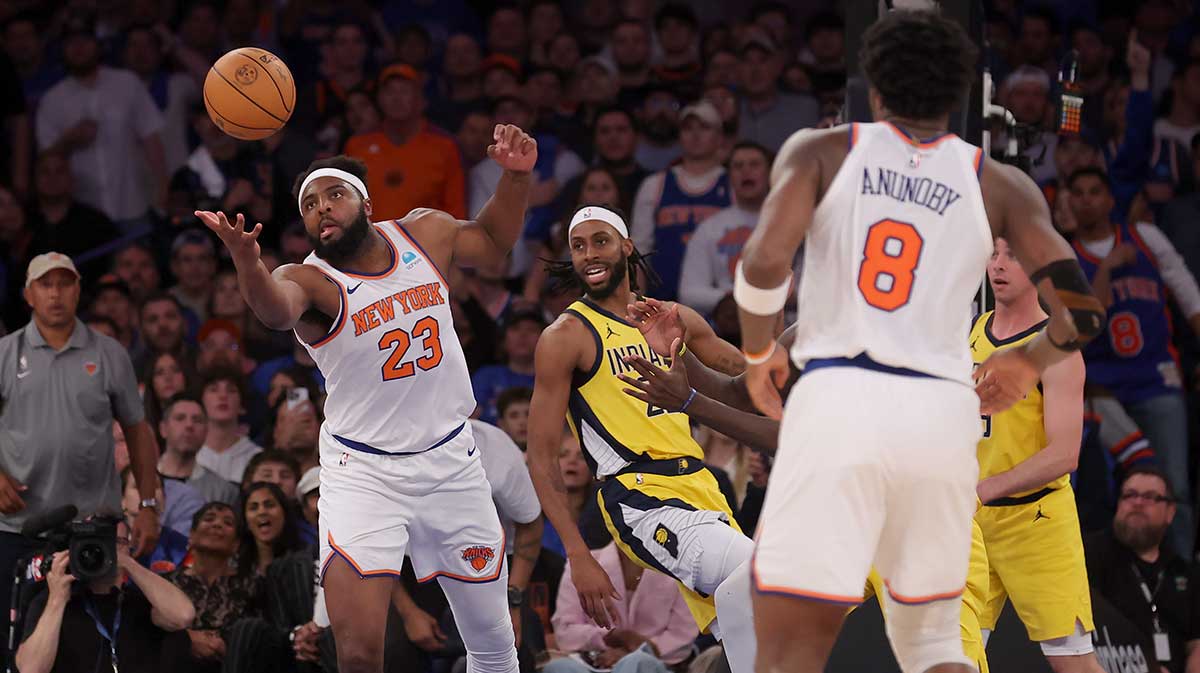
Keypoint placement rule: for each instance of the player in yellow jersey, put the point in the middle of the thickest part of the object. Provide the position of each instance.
(722, 403)
(1029, 521)
(661, 504)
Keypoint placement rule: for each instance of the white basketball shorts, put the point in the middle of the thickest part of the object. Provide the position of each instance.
(872, 469)
(435, 505)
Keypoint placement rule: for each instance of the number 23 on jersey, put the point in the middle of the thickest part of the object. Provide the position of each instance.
(890, 257)
(397, 340)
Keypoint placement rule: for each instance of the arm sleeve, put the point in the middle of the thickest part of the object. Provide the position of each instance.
(123, 386)
(573, 631)
(1173, 269)
(697, 283)
(641, 228)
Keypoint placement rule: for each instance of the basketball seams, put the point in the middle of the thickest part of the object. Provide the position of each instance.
(227, 120)
(270, 77)
(248, 98)
(253, 132)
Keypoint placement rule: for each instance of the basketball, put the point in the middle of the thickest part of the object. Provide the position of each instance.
(249, 93)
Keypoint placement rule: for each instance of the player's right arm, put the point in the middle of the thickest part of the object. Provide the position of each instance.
(276, 298)
(559, 352)
(1018, 213)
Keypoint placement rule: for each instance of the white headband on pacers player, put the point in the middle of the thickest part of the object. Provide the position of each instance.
(598, 213)
(331, 173)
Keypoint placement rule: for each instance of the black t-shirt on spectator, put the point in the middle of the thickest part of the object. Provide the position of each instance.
(82, 229)
(1117, 573)
(142, 647)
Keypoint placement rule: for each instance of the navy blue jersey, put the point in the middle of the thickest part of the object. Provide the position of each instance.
(675, 218)
(1133, 358)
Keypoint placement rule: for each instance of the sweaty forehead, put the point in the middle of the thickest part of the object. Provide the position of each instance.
(324, 183)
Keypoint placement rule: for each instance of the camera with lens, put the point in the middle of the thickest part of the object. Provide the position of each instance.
(91, 545)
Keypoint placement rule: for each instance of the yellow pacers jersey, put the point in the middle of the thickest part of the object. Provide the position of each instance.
(1011, 436)
(613, 428)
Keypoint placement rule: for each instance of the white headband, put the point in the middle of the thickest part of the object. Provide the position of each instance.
(331, 173)
(599, 213)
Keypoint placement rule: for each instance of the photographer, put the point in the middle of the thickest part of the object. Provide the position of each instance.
(121, 622)
(61, 386)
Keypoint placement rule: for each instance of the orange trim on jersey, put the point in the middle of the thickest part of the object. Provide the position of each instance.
(340, 321)
(979, 163)
(919, 143)
(384, 274)
(799, 593)
(421, 251)
(472, 580)
(853, 136)
(1083, 252)
(338, 551)
(1141, 245)
(1092, 416)
(918, 600)
(1124, 443)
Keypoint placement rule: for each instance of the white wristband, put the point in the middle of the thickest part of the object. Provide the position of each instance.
(757, 300)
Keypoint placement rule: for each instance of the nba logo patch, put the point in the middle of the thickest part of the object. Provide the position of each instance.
(915, 161)
(90, 368)
(478, 557)
(344, 459)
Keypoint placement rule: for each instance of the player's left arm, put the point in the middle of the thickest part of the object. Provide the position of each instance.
(709, 348)
(490, 237)
(1062, 396)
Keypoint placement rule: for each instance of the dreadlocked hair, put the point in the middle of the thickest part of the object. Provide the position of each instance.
(563, 277)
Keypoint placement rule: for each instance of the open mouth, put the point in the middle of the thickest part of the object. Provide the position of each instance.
(263, 526)
(597, 273)
(328, 227)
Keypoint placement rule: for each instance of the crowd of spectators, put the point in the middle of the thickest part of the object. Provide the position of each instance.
(671, 112)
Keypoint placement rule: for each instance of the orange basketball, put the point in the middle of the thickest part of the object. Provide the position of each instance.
(249, 93)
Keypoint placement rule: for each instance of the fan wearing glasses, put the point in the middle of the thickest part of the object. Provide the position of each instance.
(1134, 567)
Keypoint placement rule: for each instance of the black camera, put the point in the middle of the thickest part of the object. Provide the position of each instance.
(91, 546)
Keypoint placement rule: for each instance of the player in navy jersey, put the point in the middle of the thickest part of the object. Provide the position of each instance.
(1133, 267)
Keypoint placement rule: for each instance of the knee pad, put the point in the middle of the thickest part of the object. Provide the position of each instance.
(925, 635)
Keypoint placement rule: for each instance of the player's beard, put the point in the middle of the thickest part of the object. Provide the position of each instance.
(1138, 536)
(605, 291)
(345, 248)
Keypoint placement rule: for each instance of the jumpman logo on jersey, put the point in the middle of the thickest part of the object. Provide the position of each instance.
(973, 344)
(1039, 514)
(611, 333)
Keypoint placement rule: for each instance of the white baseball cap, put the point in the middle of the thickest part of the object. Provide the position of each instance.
(703, 110)
(310, 482)
(47, 262)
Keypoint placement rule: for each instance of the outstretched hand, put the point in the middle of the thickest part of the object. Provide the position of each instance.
(243, 245)
(659, 323)
(1004, 379)
(514, 149)
(666, 389)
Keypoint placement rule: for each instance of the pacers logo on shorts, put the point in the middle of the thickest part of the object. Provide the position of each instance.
(478, 556)
(667, 540)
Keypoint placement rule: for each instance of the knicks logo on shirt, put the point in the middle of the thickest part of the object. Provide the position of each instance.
(90, 368)
(478, 557)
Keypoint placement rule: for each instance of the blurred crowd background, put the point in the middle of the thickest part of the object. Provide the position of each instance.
(671, 112)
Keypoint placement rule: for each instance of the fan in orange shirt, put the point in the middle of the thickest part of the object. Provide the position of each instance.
(410, 162)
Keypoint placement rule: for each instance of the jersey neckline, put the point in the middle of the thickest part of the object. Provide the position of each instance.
(987, 332)
(918, 142)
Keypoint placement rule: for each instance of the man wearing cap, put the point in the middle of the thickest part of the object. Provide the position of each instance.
(104, 118)
(61, 386)
(659, 502)
(411, 163)
(400, 470)
(671, 203)
(768, 116)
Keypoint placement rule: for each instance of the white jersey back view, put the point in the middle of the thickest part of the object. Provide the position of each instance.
(895, 254)
(876, 462)
(395, 372)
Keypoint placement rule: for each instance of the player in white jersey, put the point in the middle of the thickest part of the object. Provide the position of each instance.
(400, 472)
(876, 459)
